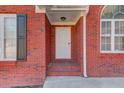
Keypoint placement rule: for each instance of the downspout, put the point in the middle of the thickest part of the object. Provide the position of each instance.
(84, 44)
(84, 47)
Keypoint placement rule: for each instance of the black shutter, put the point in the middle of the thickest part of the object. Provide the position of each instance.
(21, 36)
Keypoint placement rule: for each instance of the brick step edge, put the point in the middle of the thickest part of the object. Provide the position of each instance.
(64, 69)
(64, 73)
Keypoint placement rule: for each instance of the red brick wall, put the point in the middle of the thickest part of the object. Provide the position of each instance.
(33, 70)
(79, 42)
(74, 43)
(52, 37)
(100, 64)
(48, 41)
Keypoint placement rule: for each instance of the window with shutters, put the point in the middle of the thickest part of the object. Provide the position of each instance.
(112, 29)
(12, 37)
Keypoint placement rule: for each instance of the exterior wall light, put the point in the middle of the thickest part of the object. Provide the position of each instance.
(63, 18)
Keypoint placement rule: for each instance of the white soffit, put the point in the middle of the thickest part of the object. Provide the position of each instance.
(72, 13)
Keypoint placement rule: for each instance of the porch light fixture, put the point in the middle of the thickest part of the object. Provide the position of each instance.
(63, 18)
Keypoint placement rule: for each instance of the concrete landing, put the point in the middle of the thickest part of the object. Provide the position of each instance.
(80, 82)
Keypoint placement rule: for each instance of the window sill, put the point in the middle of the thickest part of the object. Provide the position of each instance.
(115, 52)
(8, 60)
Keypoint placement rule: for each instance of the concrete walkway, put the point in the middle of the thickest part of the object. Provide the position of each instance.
(80, 82)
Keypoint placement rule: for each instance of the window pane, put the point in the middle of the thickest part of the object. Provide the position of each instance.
(105, 43)
(10, 48)
(10, 37)
(119, 43)
(109, 11)
(10, 25)
(117, 30)
(119, 16)
(122, 8)
(105, 40)
(122, 27)
(103, 47)
(106, 27)
(106, 47)
(119, 27)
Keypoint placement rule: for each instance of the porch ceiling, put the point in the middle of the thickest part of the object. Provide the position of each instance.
(71, 13)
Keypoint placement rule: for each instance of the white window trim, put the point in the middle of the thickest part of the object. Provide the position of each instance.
(112, 35)
(2, 16)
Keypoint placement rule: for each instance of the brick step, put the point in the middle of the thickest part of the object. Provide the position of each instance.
(64, 68)
(64, 64)
(59, 73)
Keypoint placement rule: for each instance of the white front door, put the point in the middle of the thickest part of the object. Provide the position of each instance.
(63, 42)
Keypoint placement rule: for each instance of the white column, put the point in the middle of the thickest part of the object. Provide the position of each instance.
(84, 47)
